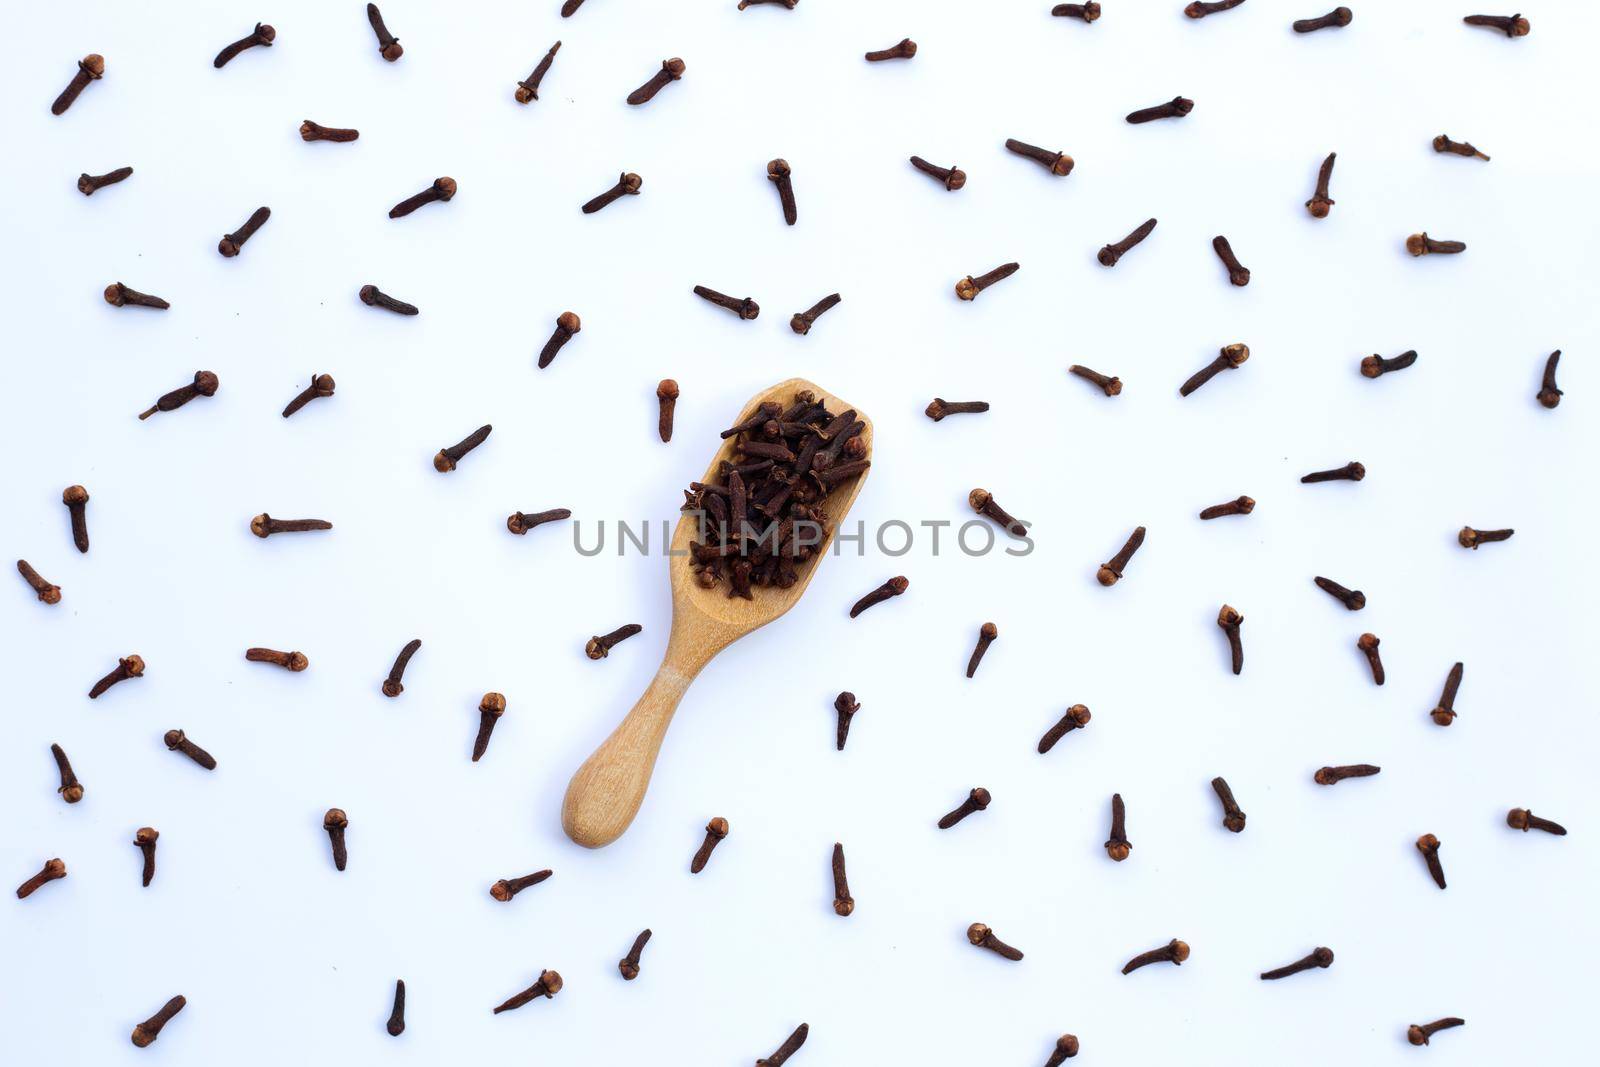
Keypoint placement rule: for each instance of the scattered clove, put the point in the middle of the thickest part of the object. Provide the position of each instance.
(1110, 572)
(780, 174)
(520, 522)
(490, 708)
(983, 937)
(91, 68)
(1230, 357)
(716, 830)
(506, 888)
(846, 706)
(1368, 644)
(372, 296)
(627, 185)
(146, 1032)
(310, 131)
(397, 1017)
(321, 387)
(1087, 12)
(951, 177)
(548, 985)
(1058, 163)
(50, 872)
(1176, 108)
(567, 324)
(939, 407)
(599, 647)
(145, 839)
(1230, 620)
(892, 588)
(800, 322)
(1117, 845)
(177, 742)
(1549, 396)
(1525, 820)
(1111, 253)
(977, 800)
(89, 184)
(392, 686)
(667, 400)
(1443, 144)
(264, 525)
(1240, 506)
(904, 50)
(1238, 273)
(843, 902)
(1375, 366)
(71, 789)
(75, 497)
(1318, 957)
(528, 88)
(1232, 817)
(1444, 713)
(1067, 1044)
(262, 35)
(1201, 8)
(1173, 952)
(335, 822)
(388, 45)
(1319, 203)
(744, 307)
(1428, 845)
(1420, 244)
(1419, 1035)
(1076, 718)
(442, 190)
(1511, 26)
(1470, 538)
(447, 458)
(671, 70)
(1350, 472)
(205, 384)
(1110, 386)
(983, 502)
(1352, 599)
(1335, 775)
(289, 661)
(47, 593)
(629, 964)
(969, 287)
(790, 1046)
(130, 666)
(1338, 18)
(119, 295)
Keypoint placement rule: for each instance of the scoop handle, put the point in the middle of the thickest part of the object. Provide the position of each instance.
(606, 792)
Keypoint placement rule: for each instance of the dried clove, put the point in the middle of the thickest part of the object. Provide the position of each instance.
(289, 661)
(1230, 620)
(716, 830)
(388, 45)
(1320, 202)
(1444, 713)
(667, 401)
(1549, 396)
(145, 839)
(264, 525)
(801, 321)
(1110, 572)
(1076, 718)
(1511, 26)
(1470, 538)
(940, 407)
(570, 8)
(1525, 820)
(951, 177)
(119, 295)
(969, 287)
(671, 70)
(397, 1017)
(205, 384)
(781, 175)
(52, 870)
(1232, 817)
(130, 666)
(843, 902)
(1176, 108)
(567, 324)
(1375, 366)
(71, 789)
(1238, 273)
(977, 800)
(790, 1046)
(1443, 144)
(1335, 775)
(1058, 163)
(88, 184)
(372, 296)
(520, 522)
(892, 588)
(336, 822)
(983, 937)
(1350, 472)
(599, 647)
(629, 964)
(1110, 386)
(1317, 957)
(904, 50)
(445, 461)
(262, 35)
(1173, 952)
(232, 243)
(1117, 845)
(1201, 8)
(1420, 244)
(1229, 357)
(1067, 1044)
(1338, 18)
(146, 1032)
(47, 593)
(1110, 254)
(392, 686)
(442, 190)
(1428, 845)
(1239, 506)
(846, 706)
(75, 497)
(490, 708)
(91, 68)
(548, 985)
(627, 185)
(528, 88)
(176, 741)
(310, 131)
(1087, 12)
(986, 635)
(1419, 1035)
(745, 308)
(321, 386)
(1368, 644)
(788, 4)
(1352, 599)
(983, 502)
(506, 888)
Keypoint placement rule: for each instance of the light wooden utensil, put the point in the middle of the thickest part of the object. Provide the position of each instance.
(608, 789)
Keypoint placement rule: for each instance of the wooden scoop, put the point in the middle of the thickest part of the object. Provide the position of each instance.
(605, 794)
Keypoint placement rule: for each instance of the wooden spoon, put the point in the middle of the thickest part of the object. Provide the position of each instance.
(608, 789)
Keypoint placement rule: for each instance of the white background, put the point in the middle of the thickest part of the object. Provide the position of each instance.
(279, 954)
